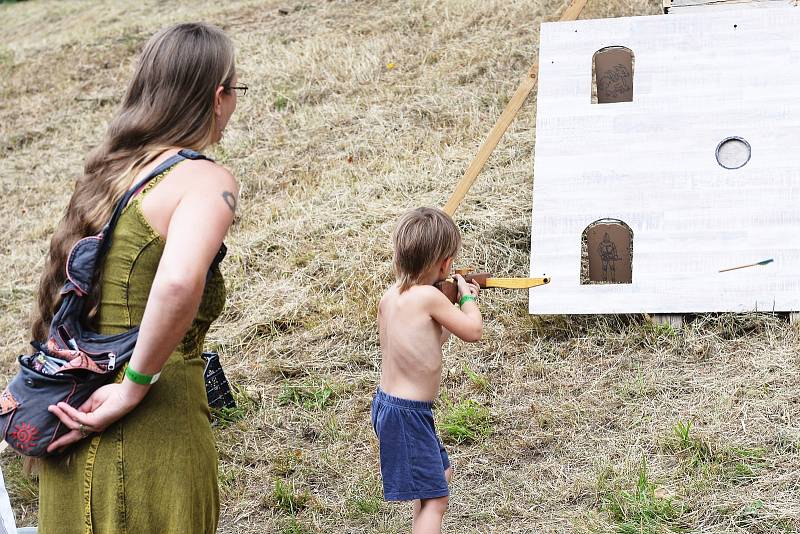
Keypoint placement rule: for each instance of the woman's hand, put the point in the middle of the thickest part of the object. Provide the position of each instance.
(106, 406)
(466, 288)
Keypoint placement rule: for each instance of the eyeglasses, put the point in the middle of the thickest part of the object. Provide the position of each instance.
(240, 89)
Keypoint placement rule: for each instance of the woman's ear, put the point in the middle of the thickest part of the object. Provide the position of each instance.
(218, 101)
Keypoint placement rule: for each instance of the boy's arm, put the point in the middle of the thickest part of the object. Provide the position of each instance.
(466, 323)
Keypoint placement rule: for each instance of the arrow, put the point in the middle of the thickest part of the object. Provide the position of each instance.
(748, 265)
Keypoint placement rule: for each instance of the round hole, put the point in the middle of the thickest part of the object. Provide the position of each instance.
(733, 152)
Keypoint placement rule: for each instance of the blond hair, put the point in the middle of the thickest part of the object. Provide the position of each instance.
(169, 103)
(422, 238)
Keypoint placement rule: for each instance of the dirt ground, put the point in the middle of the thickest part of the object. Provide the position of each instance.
(356, 112)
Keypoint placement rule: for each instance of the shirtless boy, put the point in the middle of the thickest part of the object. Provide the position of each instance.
(414, 320)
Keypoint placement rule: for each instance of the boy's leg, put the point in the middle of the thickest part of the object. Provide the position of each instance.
(428, 514)
(448, 475)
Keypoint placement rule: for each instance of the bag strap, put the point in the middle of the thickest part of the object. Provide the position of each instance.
(170, 162)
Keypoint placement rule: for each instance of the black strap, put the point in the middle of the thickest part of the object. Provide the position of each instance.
(108, 229)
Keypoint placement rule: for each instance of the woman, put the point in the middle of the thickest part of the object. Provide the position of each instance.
(141, 455)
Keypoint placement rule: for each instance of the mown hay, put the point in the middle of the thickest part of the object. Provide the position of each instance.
(331, 145)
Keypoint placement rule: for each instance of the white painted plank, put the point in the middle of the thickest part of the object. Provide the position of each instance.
(678, 7)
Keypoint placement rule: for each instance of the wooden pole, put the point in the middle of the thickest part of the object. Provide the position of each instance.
(509, 113)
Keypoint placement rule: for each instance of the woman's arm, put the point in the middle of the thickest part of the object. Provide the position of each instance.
(196, 229)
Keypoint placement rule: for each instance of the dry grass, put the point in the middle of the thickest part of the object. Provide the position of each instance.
(585, 415)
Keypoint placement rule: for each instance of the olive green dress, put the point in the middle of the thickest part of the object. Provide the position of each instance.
(155, 470)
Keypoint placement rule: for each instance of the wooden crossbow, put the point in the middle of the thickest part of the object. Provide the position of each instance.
(449, 287)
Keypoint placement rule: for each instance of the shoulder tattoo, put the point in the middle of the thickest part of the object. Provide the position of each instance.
(230, 200)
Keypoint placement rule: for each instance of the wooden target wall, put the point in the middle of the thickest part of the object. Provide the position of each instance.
(642, 145)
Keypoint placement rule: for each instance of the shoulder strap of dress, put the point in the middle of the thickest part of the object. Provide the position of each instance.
(108, 229)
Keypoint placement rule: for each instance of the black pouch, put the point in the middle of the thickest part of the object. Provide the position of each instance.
(218, 390)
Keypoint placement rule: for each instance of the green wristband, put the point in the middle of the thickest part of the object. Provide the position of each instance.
(465, 299)
(141, 378)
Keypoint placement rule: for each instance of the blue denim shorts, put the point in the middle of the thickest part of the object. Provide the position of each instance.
(413, 459)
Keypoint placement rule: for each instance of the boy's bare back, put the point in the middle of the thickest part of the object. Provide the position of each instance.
(413, 325)
(411, 343)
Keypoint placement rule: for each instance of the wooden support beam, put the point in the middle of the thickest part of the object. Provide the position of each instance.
(794, 317)
(675, 320)
(509, 113)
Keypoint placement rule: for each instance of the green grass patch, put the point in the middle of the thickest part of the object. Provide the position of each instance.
(695, 450)
(366, 499)
(653, 333)
(367, 505)
(743, 464)
(293, 526)
(307, 396)
(638, 510)
(280, 103)
(637, 387)
(245, 405)
(332, 430)
(478, 381)
(728, 464)
(288, 499)
(465, 422)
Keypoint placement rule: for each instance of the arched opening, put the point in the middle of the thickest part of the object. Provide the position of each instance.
(612, 75)
(607, 253)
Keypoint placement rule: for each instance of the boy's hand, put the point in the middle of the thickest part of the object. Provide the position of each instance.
(466, 288)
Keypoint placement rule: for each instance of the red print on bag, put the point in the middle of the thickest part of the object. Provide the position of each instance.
(55, 350)
(25, 436)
